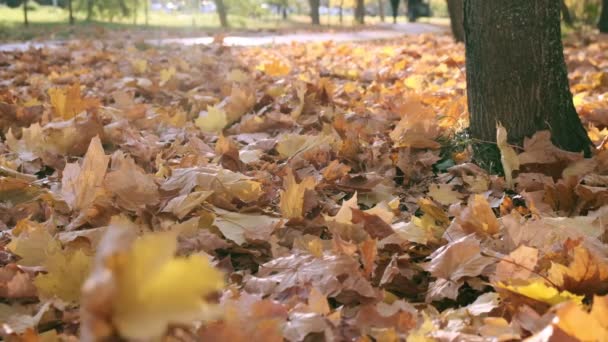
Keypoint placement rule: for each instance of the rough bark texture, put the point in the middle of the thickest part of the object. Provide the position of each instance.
(221, 12)
(314, 11)
(360, 12)
(516, 73)
(603, 24)
(456, 9)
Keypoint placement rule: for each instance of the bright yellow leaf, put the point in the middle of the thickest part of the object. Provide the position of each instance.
(67, 271)
(537, 290)
(154, 288)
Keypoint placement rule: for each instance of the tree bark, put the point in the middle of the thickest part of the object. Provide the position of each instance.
(314, 11)
(360, 12)
(71, 11)
(381, 10)
(456, 9)
(26, 21)
(221, 12)
(603, 24)
(516, 74)
(566, 14)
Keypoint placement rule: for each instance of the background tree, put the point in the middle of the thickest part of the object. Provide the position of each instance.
(456, 10)
(360, 12)
(603, 23)
(71, 11)
(395, 9)
(517, 75)
(566, 14)
(90, 4)
(26, 21)
(221, 12)
(381, 9)
(314, 11)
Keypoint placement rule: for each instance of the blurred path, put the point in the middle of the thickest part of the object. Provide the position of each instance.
(383, 31)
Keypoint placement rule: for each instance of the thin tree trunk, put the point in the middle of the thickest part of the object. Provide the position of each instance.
(381, 9)
(221, 12)
(456, 9)
(26, 21)
(603, 24)
(314, 11)
(360, 12)
(89, 10)
(566, 14)
(284, 12)
(395, 9)
(341, 11)
(146, 11)
(71, 11)
(135, 8)
(516, 75)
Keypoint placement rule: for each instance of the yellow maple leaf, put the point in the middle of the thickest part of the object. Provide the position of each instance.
(81, 184)
(572, 317)
(292, 198)
(67, 271)
(541, 292)
(68, 102)
(274, 68)
(508, 157)
(212, 121)
(33, 243)
(154, 289)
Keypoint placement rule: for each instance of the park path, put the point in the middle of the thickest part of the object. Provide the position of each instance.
(386, 31)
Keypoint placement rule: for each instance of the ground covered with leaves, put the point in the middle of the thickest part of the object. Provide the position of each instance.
(304, 192)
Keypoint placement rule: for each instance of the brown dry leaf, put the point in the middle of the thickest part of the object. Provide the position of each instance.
(586, 274)
(292, 198)
(15, 283)
(81, 184)
(458, 259)
(132, 187)
(444, 194)
(519, 264)
(68, 102)
(243, 227)
(478, 217)
(508, 157)
(332, 275)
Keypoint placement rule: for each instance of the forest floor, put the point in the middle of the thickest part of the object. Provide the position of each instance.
(305, 191)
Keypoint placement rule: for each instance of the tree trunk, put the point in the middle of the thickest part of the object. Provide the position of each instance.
(146, 11)
(89, 10)
(284, 12)
(71, 11)
(566, 14)
(603, 24)
(360, 12)
(26, 21)
(314, 11)
(135, 8)
(456, 9)
(381, 9)
(395, 9)
(221, 12)
(516, 74)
